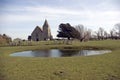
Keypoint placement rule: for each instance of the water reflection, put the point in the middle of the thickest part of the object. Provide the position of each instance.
(68, 52)
(59, 53)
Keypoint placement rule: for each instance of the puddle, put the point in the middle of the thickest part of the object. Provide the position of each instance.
(59, 53)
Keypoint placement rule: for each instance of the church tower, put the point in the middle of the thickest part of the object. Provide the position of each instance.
(46, 31)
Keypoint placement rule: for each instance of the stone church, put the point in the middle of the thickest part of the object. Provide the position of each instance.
(40, 34)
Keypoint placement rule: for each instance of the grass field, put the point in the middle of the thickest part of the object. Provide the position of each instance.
(97, 67)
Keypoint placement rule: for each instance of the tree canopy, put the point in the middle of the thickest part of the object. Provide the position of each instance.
(67, 31)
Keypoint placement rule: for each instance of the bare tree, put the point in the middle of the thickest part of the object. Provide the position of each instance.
(106, 35)
(117, 27)
(93, 35)
(80, 28)
(101, 33)
(85, 33)
(113, 34)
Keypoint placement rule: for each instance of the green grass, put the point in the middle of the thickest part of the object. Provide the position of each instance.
(97, 67)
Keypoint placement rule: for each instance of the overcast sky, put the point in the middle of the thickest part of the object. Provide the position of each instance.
(18, 18)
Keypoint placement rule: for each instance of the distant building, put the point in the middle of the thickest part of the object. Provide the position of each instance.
(43, 33)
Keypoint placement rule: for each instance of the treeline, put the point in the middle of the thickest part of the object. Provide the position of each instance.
(68, 32)
(83, 34)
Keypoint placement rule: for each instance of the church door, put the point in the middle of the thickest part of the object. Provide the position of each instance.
(37, 39)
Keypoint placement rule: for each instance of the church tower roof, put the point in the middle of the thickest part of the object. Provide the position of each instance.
(45, 23)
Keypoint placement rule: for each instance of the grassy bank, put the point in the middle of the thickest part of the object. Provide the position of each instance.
(98, 67)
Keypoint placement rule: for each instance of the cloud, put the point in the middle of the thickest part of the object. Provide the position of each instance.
(32, 13)
(95, 13)
(52, 10)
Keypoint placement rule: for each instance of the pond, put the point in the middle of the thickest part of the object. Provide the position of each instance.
(59, 53)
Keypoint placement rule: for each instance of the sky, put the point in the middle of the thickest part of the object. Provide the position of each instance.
(18, 18)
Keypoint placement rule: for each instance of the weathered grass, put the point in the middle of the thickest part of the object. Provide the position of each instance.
(99, 67)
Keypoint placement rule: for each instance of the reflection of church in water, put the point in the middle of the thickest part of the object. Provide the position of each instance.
(43, 33)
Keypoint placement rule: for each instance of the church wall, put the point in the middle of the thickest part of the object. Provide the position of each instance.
(37, 35)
